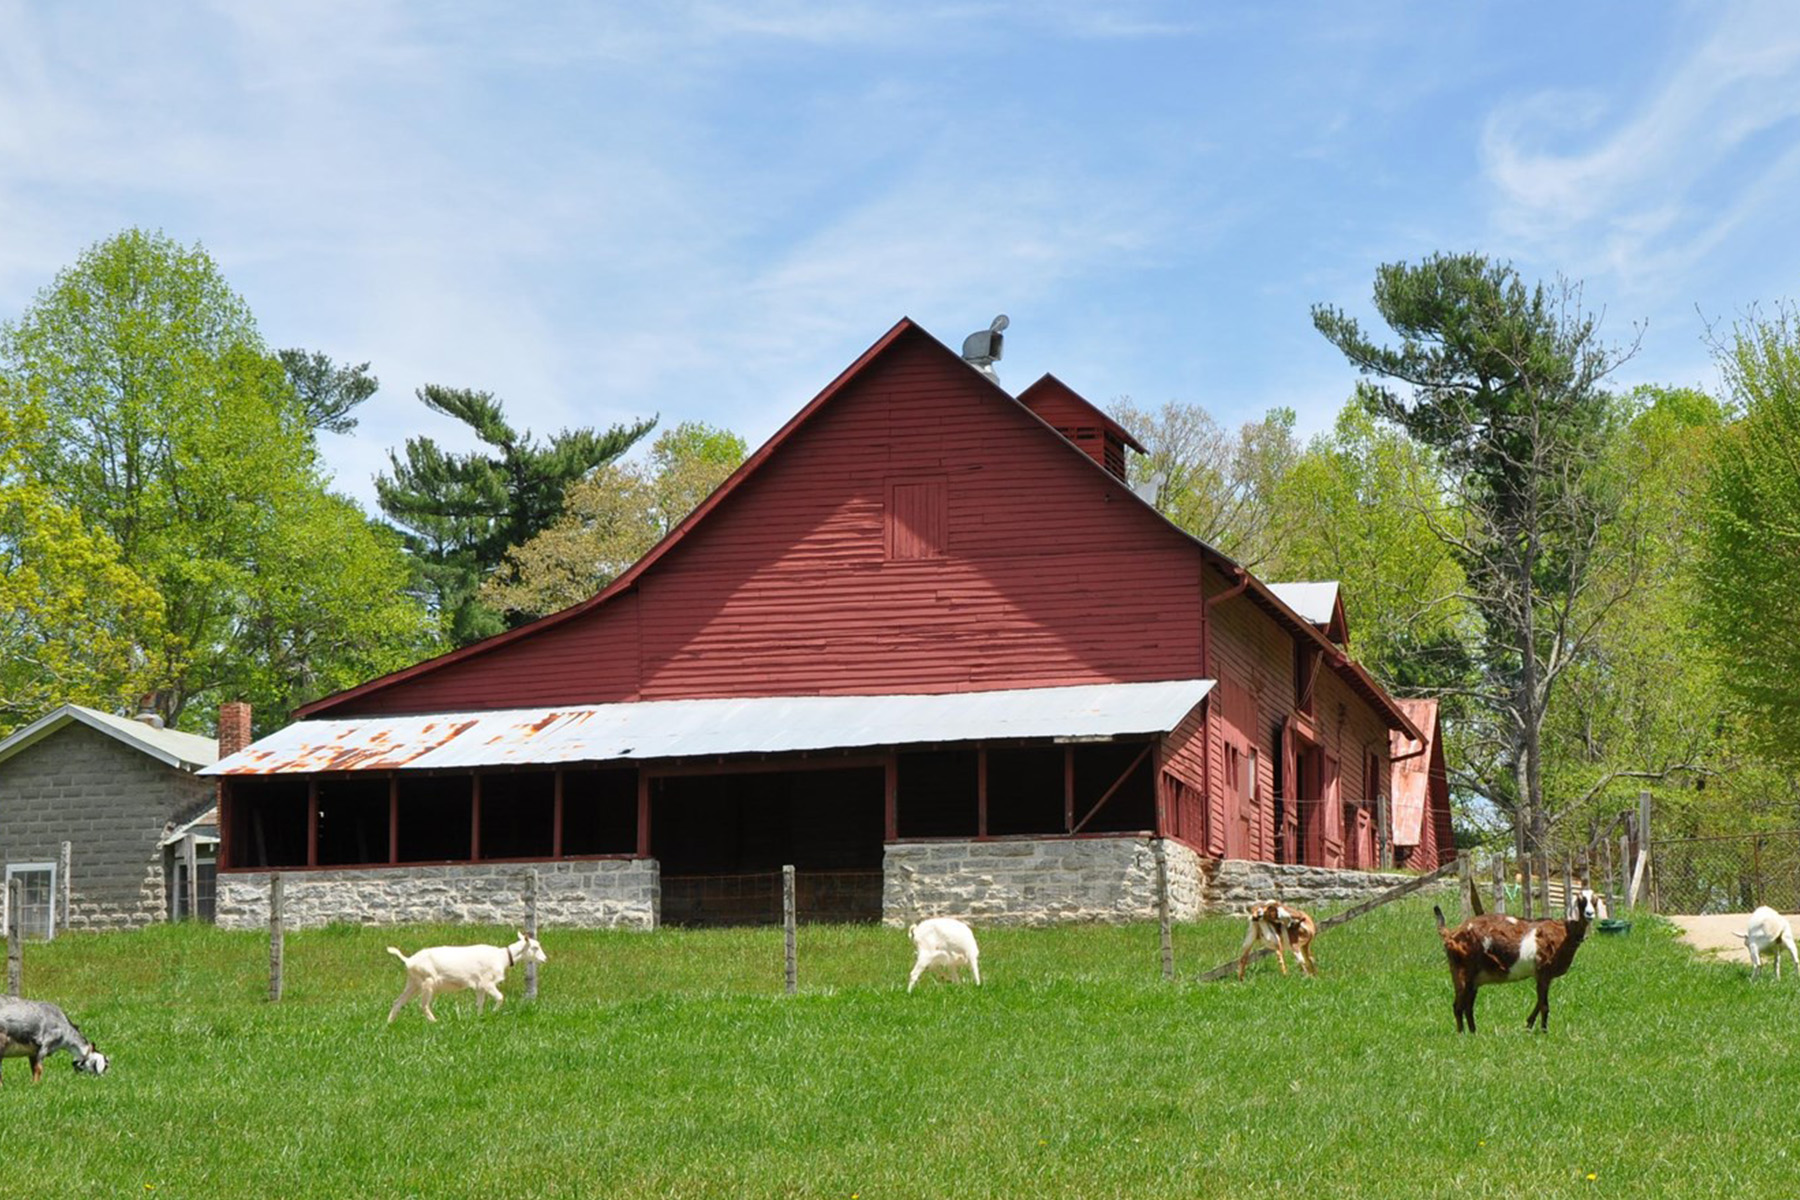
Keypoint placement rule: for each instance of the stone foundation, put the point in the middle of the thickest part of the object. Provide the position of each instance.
(623, 893)
(1235, 884)
(1052, 880)
(1037, 881)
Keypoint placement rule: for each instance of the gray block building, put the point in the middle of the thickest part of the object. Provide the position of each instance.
(139, 825)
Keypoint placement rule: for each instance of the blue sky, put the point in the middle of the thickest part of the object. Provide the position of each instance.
(706, 210)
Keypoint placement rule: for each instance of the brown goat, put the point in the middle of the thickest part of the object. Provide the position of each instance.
(1279, 925)
(1497, 949)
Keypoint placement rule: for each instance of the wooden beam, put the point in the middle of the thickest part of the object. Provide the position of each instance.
(1117, 784)
(1068, 789)
(312, 822)
(890, 802)
(556, 816)
(643, 822)
(475, 818)
(393, 818)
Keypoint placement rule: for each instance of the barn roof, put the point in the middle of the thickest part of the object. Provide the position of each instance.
(1259, 593)
(664, 729)
(1320, 604)
(184, 751)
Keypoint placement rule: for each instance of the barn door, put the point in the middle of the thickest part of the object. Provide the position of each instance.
(1331, 796)
(1288, 836)
(1237, 826)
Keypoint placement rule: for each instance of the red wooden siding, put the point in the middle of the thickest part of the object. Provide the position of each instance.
(1050, 573)
(1096, 435)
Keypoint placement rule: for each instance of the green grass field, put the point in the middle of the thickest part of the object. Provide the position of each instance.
(669, 1064)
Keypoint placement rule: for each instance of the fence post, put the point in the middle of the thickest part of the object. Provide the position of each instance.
(1525, 885)
(531, 928)
(190, 860)
(277, 936)
(1500, 880)
(787, 927)
(65, 860)
(1465, 885)
(15, 937)
(1162, 909)
(1568, 885)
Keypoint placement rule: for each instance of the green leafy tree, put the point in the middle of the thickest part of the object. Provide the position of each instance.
(1215, 484)
(1503, 382)
(328, 392)
(460, 513)
(1362, 505)
(611, 519)
(174, 432)
(71, 613)
(1645, 704)
(1750, 553)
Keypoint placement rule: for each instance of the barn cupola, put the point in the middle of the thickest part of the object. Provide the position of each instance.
(1097, 435)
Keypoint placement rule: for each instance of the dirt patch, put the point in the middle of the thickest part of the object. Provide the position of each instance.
(1715, 934)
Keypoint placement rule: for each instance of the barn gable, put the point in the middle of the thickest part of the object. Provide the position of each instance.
(914, 529)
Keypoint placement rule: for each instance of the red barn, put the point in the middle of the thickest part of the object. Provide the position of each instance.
(925, 644)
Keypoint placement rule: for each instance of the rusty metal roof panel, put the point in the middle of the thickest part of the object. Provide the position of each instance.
(664, 729)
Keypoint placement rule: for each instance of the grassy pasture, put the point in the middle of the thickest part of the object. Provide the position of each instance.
(668, 1064)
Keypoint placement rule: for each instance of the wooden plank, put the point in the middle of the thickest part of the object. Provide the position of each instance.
(15, 937)
(277, 937)
(1344, 918)
(792, 972)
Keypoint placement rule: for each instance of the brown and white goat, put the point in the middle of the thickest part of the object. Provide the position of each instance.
(1280, 925)
(1496, 949)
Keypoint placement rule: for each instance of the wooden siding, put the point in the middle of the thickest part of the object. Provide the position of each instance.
(1051, 573)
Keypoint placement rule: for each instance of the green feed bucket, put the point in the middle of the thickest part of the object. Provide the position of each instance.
(1614, 925)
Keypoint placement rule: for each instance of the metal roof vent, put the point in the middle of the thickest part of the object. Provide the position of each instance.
(981, 349)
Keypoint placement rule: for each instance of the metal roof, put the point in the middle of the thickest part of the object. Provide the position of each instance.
(663, 729)
(185, 751)
(1314, 602)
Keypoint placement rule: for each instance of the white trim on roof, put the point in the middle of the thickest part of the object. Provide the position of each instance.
(185, 751)
(667, 729)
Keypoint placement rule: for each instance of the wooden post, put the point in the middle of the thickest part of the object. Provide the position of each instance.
(787, 926)
(1162, 910)
(1624, 871)
(1612, 894)
(190, 860)
(276, 936)
(15, 937)
(1465, 885)
(531, 918)
(1568, 885)
(1525, 887)
(1546, 910)
(1500, 880)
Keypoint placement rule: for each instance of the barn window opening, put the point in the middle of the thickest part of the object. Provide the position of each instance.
(37, 898)
(353, 821)
(518, 814)
(599, 812)
(435, 817)
(1025, 791)
(936, 794)
(1132, 806)
(267, 822)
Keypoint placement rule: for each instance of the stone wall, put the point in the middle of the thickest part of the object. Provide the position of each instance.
(113, 803)
(1234, 884)
(623, 893)
(1036, 881)
(1052, 880)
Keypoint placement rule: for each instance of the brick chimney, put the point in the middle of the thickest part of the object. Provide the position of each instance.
(234, 727)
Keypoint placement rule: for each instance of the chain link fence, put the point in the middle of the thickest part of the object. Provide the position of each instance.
(1735, 873)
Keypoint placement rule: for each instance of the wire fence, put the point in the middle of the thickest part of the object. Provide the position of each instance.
(1734, 873)
(756, 898)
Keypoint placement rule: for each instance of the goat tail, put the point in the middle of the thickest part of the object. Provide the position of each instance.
(1439, 913)
(396, 953)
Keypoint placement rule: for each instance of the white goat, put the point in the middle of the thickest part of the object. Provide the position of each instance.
(1767, 928)
(945, 944)
(452, 968)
